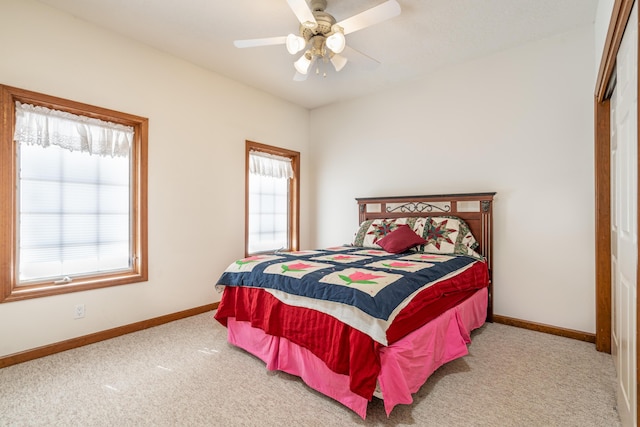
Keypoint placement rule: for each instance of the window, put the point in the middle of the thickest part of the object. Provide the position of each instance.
(73, 191)
(272, 198)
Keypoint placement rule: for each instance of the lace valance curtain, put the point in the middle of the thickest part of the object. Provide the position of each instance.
(269, 165)
(36, 125)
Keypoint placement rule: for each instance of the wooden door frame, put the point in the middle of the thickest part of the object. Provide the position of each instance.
(602, 155)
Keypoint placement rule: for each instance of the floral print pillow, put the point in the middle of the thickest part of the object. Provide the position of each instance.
(447, 235)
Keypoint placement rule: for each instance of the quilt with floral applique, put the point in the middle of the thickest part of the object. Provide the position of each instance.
(343, 303)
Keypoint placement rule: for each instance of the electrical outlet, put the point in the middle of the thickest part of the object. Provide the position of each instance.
(78, 311)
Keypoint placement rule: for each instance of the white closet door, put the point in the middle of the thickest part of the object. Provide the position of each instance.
(624, 227)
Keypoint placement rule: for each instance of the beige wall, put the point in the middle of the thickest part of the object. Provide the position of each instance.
(198, 122)
(519, 122)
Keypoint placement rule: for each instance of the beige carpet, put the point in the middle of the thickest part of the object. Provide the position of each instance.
(185, 374)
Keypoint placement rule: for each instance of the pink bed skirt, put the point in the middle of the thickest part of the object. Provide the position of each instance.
(406, 364)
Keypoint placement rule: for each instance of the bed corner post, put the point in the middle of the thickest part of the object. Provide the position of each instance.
(486, 208)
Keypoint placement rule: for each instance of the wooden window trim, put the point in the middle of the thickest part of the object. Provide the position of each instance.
(9, 291)
(294, 192)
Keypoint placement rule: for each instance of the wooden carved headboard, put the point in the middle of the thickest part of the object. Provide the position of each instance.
(475, 208)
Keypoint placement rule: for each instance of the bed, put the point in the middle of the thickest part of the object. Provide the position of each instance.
(378, 315)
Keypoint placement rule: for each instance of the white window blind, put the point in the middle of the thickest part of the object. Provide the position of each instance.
(268, 202)
(74, 195)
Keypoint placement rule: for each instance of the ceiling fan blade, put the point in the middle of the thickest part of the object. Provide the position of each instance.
(375, 15)
(299, 77)
(269, 41)
(302, 11)
(362, 60)
(338, 62)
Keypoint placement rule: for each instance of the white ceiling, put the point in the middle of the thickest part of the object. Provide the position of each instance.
(427, 35)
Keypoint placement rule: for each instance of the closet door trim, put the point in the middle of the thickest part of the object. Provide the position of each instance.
(617, 25)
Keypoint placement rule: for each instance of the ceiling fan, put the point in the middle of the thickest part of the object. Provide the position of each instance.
(320, 36)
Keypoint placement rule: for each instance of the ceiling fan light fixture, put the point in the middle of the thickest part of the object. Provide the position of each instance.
(302, 64)
(338, 62)
(295, 44)
(336, 41)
